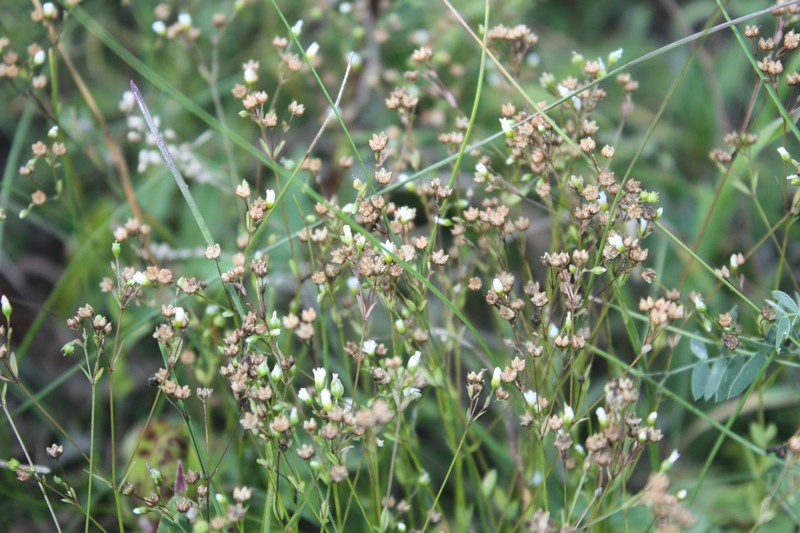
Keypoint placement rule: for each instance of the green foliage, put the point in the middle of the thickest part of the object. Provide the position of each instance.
(393, 266)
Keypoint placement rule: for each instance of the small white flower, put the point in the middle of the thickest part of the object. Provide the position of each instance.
(297, 28)
(49, 10)
(274, 321)
(5, 305)
(250, 76)
(185, 20)
(784, 153)
(681, 495)
(352, 284)
(293, 416)
(369, 347)
(669, 461)
(496, 377)
(569, 415)
(360, 241)
(337, 388)
(412, 392)
(159, 28)
(602, 201)
(127, 103)
(602, 417)
(356, 60)
(413, 361)
(180, 317)
(406, 214)
(532, 399)
(389, 248)
(39, 57)
(497, 286)
(614, 56)
(312, 50)
(270, 198)
(651, 419)
(139, 278)
(506, 125)
(481, 170)
(345, 8)
(277, 372)
(303, 395)
(699, 303)
(52, 133)
(347, 235)
(320, 374)
(325, 400)
(563, 92)
(615, 241)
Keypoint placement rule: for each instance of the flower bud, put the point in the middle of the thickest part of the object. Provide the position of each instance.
(325, 400)
(532, 399)
(614, 56)
(497, 286)
(496, 377)
(320, 376)
(569, 415)
(669, 461)
(185, 20)
(180, 319)
(5, 305)
(506, 125)
(49, 10)
(277, 373)
(347, 235)
(413, 362)
(303, 396)
(297, 28)
(602, 417)
(337, 389)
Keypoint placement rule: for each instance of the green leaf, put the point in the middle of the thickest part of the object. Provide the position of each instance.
(781, 332)
(784, 301)
(714, 377)
(488, 483)
(747, 374)
(698, 348)
(735, 365)
(699, 380)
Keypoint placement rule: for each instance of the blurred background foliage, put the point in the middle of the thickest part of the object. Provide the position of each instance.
(53, 260)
